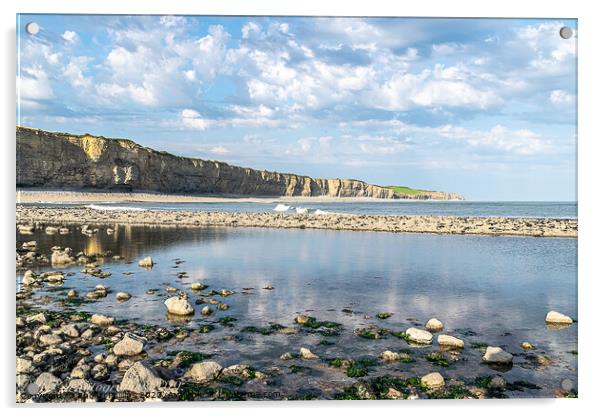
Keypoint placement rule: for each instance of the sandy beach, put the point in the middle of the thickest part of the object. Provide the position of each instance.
(51, 196)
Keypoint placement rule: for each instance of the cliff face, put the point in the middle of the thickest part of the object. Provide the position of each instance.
(61, 160)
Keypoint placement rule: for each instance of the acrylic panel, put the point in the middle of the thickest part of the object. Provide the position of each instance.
(295, 208)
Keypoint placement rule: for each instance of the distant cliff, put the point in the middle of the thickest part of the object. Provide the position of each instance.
(67, 161)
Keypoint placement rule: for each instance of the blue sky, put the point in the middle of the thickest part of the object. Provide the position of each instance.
(482, 107)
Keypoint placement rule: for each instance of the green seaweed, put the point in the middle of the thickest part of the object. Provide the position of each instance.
(437, 359)
(384, 315)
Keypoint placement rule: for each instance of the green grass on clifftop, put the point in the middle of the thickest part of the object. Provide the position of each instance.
(406, 190)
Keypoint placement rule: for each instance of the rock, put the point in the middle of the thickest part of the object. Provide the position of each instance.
(206, 311)
(101, 320)
(286, 356)
(100, 372)
(496, 355)
(171, 289)
(37, 318)
(434, 324)
(146, 262)
(63, 230)
(112, 330)
(197, 286)
(80, 371)
(122, 296)
(204, 372)
(51, 230)
(449, 341)
(99, 358)
(70, 330)
(72, 293)
(301, 319)
(393, 394)
(111, 360)
(526, 346)
(24, 366)
(306, 354)
(88, 334)
(50, 339)
(497, 383)
(141, 379)
(54, 277)
(433, 381)
(419, 336)
(554, 317)
(26, 229)
(179, 306)
(47, 383)
(28, 278)
(61, 258)
(129, 345)
(80, 385)
(390, 356)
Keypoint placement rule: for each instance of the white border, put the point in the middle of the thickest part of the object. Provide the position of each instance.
(590, 160)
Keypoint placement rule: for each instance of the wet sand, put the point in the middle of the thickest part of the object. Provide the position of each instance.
(538, 227)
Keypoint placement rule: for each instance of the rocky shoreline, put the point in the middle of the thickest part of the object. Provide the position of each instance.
(536, 227)
(65, 354)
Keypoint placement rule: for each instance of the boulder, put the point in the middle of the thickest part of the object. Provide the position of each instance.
(433, 381)
(47, 383)
(140, 378)
(29, 278)
(434, 324)
(301, 319)
(496, 355)
(146, 262)
(419, 336)
(39, 318)
(179, 306)
(129, 345)
(122, 296)
(72, 293)
(101, 320)
(61, 258)
(390, 356)
(206, 311)
(449, 341)
(70, 330)
(24, 366)
(526, 346)
(306, 354)
(204, 372)
(554, 317)
(50, 339)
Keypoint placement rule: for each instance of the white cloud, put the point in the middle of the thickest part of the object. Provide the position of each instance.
(33, 84)
(191, 119)
(74, 71)
(249, 29)
(560, 97)
(220, 150)
(141, 94)
(69, 36)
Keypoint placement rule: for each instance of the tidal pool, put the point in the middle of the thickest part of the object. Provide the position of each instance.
(485, 290)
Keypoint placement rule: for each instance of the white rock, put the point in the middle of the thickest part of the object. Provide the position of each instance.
(179, 306)
(50, 339)
(419, 336)
(61, 258)
(146, 262)
(306, 354)
(390, 356)
(123, 296)
(197, 286)
(206, 311)
(80, 385)
(433, 380)
(70, 330)
(39, 318)
(204, 371)
(434, 324)
(28, 278)
(129, 345)
(24, 366)
(141, 379)
(554, 317)
(101, 320)
(47, 383)
(496, 355)
(449, 341)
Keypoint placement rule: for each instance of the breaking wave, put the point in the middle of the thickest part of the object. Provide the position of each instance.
(300, 210)
(113, 208)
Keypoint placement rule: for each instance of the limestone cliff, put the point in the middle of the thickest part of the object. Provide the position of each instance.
(66, 161)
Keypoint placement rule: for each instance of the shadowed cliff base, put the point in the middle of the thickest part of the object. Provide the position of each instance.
(85, 162)
(536, 227)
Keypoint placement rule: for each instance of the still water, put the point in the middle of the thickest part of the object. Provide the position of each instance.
(495, 290)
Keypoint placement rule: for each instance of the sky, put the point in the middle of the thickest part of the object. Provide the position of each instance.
(482, 107)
